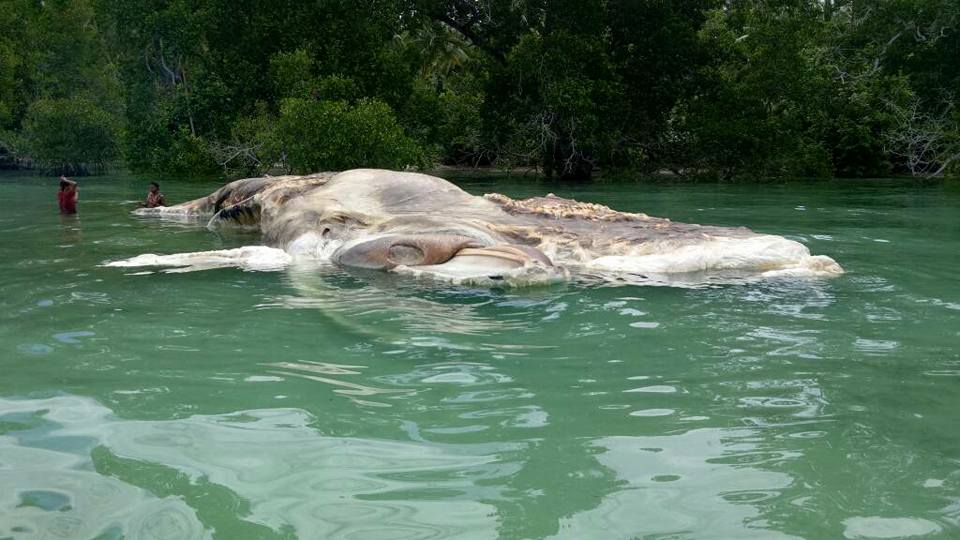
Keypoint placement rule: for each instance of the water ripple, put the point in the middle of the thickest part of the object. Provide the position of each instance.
(674, 485)
(314, 485)
(54, 494)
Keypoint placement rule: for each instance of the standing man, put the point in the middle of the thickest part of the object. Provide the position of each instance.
(68, 196)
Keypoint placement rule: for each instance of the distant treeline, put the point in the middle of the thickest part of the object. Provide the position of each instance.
(702, 88)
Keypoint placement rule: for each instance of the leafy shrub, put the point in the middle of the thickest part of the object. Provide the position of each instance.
(335, 135)
(70, 135)
(188, 155)
(460, 126)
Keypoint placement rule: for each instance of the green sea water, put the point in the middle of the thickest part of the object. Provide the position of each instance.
(322, 404)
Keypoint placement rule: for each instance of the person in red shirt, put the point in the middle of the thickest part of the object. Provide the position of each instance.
(68, 196)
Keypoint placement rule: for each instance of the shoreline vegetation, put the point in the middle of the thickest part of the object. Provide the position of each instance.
(459, 173)
(702, 90)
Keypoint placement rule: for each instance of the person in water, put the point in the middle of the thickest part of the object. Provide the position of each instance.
(154, 197)
(68, 196)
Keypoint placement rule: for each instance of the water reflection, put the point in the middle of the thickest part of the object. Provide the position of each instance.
(288, 475)
(668, 489)
(381, 305)
(323, 372)
(408, 310)
(71, 232)
(284, 476)
(48, 490)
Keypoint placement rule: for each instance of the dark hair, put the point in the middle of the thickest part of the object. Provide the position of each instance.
(155, 184)
(64, 185)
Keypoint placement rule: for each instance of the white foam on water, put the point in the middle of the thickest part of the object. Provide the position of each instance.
(163, 211)
(772, 256)
(178, 214)
(652, 412)
(259, 258)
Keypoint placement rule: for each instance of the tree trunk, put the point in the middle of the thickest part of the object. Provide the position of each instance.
(549, 163)
(571, 161)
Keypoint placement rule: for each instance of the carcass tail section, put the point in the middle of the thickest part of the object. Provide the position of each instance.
(240, 202)
(225, 197)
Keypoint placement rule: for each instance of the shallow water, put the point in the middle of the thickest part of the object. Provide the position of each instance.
(312, 403)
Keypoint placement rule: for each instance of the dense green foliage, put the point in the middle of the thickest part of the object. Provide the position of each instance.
(314, 135)
(69, 134)
(60, 95)
(704, 88)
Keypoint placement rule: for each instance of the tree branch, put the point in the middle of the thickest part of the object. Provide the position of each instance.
(475, 39)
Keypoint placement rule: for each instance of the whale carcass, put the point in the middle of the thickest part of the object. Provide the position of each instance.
(422, 225)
